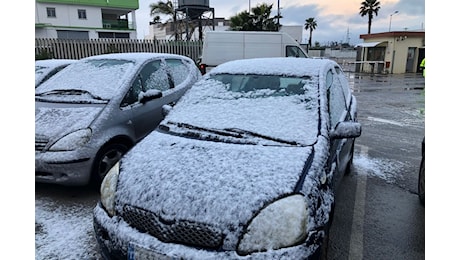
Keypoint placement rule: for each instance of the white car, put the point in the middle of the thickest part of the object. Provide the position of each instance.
(44, 69)
(243, 167)
(89, 114)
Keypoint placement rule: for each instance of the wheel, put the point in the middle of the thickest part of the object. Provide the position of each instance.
(107, 157)
(421, 182)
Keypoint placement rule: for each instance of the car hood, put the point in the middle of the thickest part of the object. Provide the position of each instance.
(56, 121)
(221, 184)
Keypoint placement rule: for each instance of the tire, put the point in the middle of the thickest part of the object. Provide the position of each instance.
(421, 182)
(107, 157)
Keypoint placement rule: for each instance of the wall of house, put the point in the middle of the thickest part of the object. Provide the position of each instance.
(396, 52)
(67, 15)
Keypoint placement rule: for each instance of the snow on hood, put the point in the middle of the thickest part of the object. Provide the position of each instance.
(59, 121)
(206, 181)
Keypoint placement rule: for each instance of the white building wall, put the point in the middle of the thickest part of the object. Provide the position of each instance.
(67, 15)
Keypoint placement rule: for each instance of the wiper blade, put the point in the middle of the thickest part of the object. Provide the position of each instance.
(246, 132)
(210, 130)
(69, 92)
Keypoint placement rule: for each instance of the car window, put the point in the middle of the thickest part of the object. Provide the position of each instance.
(344, 83)
(337, 105)
(178, 70)
(132, 95)
(294, 51)
(154, 76)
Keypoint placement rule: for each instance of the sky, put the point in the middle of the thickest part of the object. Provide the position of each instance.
(337, 21)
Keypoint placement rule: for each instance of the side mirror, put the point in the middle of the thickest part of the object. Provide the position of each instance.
(165, 110)
(150, 95)
(349, 129)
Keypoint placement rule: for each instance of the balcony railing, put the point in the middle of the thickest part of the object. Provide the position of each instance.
(120, 24)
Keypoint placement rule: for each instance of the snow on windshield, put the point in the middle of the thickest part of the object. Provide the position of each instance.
(101, 77)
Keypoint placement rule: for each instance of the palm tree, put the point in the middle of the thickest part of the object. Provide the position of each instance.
(310, 24)
(369, 7)
(163, 8)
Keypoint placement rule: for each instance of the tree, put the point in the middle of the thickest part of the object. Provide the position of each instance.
(310, 24)
(369, 7)
(167, 9)
(260, 20)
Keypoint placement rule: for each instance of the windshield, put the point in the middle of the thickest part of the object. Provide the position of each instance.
(99, 78)
(259, 109)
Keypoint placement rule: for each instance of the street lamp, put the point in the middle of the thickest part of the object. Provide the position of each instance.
(395, 12)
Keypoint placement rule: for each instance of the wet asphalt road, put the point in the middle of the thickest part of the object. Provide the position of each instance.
(377, 214)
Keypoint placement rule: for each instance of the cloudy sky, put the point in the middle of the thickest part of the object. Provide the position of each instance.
(338, 20)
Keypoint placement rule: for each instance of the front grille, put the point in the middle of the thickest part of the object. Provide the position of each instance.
(177, 231)
(40, 142)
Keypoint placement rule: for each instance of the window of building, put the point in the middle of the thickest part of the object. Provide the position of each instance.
(81, 14)
(51, 11)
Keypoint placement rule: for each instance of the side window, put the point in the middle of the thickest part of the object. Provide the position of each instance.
(178, 70)
(154, 76)
(133, 93)
(337, 105)
(344, 82)
(294, 51)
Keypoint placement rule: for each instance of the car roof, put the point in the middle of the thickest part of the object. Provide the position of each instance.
(137, 56)
(54, 62)
(274, 66)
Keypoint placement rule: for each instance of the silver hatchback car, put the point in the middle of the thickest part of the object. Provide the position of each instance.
(92, 112)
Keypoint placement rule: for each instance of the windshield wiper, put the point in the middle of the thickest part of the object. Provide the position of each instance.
(246, 132)
(231, 132)
(210, 130)
(69, 92)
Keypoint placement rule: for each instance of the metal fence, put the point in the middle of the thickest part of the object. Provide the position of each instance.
(77, 49)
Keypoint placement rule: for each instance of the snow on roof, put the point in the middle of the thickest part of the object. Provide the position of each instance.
(277, 66)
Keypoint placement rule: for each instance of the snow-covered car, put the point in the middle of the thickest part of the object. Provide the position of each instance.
(44, 69)
(245, 166)
(89, 114)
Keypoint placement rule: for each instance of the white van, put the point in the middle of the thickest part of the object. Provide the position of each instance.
(223, 46)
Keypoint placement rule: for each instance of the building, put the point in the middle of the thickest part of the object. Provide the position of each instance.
(85, 19)
(391, 52)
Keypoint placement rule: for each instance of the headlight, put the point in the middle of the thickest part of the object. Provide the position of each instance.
(72, 141)
(109, 188)
(281, 224)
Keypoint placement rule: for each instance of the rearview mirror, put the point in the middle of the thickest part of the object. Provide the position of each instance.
(348, 129)
(150, 95)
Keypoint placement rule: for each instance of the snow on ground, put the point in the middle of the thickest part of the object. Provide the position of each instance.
(63, 232)
(66, 232)
(385, 169)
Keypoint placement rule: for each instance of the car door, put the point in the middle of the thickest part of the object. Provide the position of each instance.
(338, 112)
(146, 115)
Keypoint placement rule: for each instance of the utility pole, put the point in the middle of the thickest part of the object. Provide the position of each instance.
(395, 12)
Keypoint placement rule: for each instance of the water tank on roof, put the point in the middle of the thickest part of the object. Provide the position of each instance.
(192, 3)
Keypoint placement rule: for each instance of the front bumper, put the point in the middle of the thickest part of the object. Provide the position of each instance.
(114, 236)
(62, 168)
